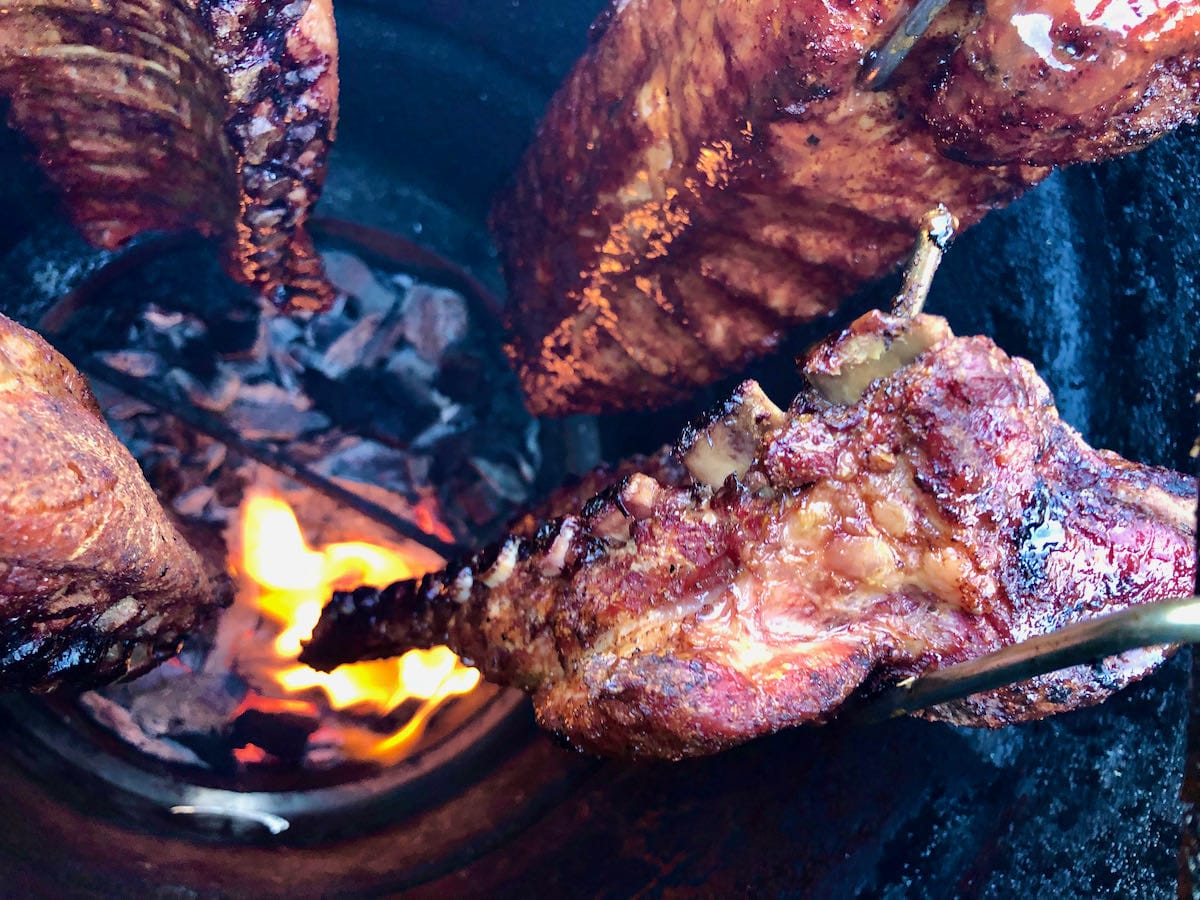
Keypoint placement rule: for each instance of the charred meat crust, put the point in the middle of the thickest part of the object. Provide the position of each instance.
(96, 583)
(213, 115)
(945, 512)
(711, 173)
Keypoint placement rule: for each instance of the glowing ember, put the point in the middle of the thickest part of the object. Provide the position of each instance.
(288, 582)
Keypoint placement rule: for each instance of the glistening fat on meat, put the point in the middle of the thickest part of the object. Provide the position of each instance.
(179, 114)
(711, 173)
(96, 583)
(781, 560)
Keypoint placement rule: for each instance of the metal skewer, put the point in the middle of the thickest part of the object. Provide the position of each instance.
(1164, 622)
(263, 452)
(879, 64)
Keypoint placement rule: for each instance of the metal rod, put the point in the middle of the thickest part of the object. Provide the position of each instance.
(260, 451)
(1164, 622)
(879, 65)
(934, 237)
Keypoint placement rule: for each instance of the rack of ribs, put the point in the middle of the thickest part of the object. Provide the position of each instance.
(920, 504)
(213, 115)
(711, 173)
(96, 583)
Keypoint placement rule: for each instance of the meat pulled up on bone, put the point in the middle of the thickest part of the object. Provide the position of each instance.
(921, 504)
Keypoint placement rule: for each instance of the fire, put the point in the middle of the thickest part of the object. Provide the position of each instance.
(289, 582)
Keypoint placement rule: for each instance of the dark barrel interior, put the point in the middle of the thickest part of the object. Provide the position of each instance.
(1092, 276)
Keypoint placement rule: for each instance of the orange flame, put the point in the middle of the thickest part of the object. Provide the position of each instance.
(291, 583)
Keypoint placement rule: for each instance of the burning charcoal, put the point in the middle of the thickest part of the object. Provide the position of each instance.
(390, 394)
(347, 351)
(235, 335)
(138, 363)
(434, 319)
(501, 479)
(283, 734)
(199, 704)
(351, 275)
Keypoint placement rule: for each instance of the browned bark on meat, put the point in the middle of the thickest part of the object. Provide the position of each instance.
(711, 172)
(939, 509)
(213, 115)
(95, 581)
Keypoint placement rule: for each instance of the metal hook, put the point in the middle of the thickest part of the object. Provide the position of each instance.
(878, 65)
(1164, 622)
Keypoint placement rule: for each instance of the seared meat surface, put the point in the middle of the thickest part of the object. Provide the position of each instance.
(920, 505)
(214, 115)
(711, 173)
(95, 581)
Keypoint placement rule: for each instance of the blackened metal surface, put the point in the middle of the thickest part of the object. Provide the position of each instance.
(1076, 806)
(1070, 807)
(1092, 277)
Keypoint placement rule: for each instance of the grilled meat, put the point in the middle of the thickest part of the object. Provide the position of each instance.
(923, 504)
(95, 581)
(215, 115)
(711, 173)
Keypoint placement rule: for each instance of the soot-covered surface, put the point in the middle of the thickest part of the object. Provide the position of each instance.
(1079, 806)
(1092, 277)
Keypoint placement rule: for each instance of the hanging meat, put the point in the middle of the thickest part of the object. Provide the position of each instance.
(921, 504)
(711, 173)
(95, 581)
(213, 115)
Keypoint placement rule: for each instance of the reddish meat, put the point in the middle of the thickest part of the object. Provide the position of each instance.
(96, 583)
(922, 505)
(214, 115)
(711, 173)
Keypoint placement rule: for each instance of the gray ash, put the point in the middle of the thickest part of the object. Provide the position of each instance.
(400, 394)
(401, 386)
